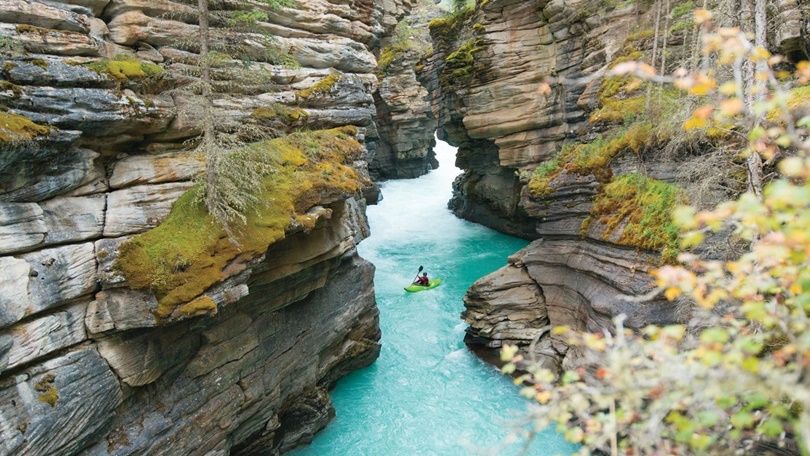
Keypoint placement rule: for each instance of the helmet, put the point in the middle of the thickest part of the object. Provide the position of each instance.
(424, 274)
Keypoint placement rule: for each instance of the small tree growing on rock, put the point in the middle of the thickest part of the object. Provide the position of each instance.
(233, 172)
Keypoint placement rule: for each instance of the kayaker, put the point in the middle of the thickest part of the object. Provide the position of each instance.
(423, 280)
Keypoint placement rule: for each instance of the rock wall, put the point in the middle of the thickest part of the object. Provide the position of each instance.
(405, 122)
(529, 173)
(93, 150)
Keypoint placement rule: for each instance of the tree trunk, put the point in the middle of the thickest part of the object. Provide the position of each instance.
(760, 41)
(654, 53)
(664, 44)
(208, 139)
(748, 68)
(756, 91)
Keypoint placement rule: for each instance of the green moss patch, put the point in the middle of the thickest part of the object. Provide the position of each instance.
(125, 69)
(50, 395)
(17, 128)
(539, 184)
(640, 207)
(459, 66)
(590, 158)
(10, 86)
(618, 110)
(187, 253)
(388, 55)
(282, 112)
(445, 30)
(321, 87)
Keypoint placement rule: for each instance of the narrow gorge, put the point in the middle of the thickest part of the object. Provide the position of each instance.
(193, 347)
(131, 322)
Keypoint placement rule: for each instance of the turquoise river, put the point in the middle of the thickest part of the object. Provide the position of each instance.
(427, 394)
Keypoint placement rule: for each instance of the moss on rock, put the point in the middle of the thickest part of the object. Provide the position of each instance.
(281, 112)
(640, 208)
(323, 86)
(187, 253)
(50, 395)
(125, 68)
(17, 128)
(459, 66)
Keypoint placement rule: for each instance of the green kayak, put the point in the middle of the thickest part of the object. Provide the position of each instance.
(413, 288)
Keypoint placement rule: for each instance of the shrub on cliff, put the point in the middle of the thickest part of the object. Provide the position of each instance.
(228, 180)
(188, 252)
(734, 380)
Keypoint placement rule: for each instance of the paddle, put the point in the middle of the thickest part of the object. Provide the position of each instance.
(417, 274)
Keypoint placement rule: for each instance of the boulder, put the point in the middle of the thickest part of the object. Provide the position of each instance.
(46, 173)
(133, 26)
(154, 169)
(121, 309)
(54, 42)
(72, 219)
(140, 358)
(101, 112)
(88, 7)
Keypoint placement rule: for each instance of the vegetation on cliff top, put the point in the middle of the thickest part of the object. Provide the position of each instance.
(187, 253)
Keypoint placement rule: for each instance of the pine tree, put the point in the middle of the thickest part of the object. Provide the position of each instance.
(230, 41)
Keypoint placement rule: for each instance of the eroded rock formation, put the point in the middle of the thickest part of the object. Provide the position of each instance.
(93, 152)
(565, 167)
(405, 121)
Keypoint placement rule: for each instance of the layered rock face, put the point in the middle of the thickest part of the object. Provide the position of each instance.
(405, 122)
(93, 151)
(552, 166)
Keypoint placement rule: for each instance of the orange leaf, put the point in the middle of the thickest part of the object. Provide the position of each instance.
(702, 15)
(703, 112)
(731, 107)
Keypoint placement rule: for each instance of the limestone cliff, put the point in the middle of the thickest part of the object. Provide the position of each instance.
(589, 170)
(96, 144)
(405, 120)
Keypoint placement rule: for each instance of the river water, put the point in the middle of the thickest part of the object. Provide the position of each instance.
(426, 394)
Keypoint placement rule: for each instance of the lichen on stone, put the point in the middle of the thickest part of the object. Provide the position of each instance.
(187, 253)
(50, 395)
(321, 87)
(15, 128)
(125, 68)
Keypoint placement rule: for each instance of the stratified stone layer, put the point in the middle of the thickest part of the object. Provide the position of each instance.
(86, 367)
